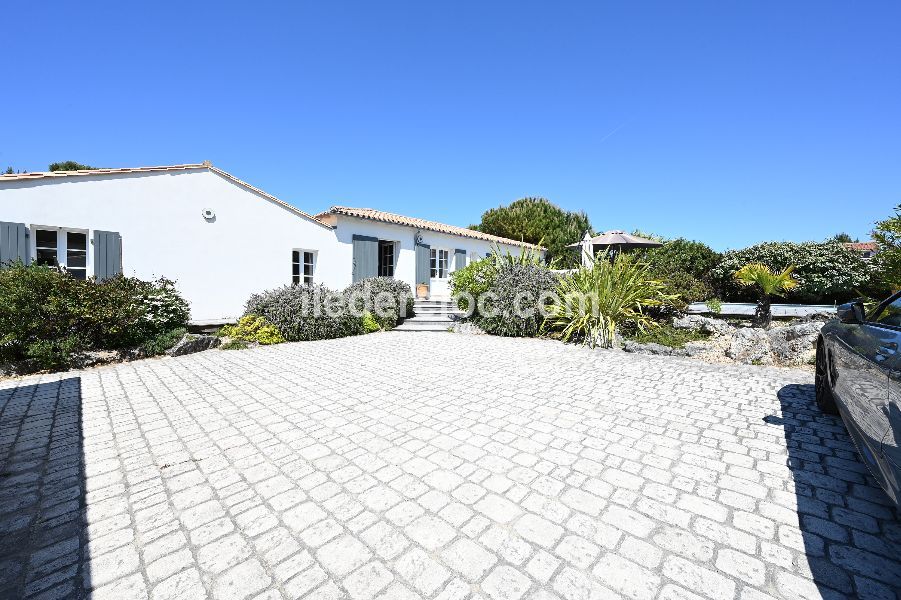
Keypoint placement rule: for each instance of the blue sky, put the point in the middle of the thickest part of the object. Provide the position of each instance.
(726, 122)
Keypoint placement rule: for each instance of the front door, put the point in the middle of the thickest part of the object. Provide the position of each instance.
(439, 262)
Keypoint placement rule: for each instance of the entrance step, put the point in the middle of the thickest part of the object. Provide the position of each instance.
(431, 315)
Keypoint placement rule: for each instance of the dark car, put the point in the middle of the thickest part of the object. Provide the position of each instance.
(858, 376)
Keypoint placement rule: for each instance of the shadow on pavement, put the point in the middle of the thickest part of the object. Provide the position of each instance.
(42, 491)
(849, 529)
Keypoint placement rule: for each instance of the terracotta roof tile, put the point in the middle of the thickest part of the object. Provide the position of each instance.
(386, 217)
(862, 246)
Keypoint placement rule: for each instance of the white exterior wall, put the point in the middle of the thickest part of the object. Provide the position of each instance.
(405, 269)
(217, 264)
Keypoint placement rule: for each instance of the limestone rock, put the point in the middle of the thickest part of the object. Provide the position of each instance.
(191, 343)
(703, 325)
(794, 344)
(750, 345)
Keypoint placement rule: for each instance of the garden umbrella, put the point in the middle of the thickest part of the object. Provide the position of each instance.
(612, 241)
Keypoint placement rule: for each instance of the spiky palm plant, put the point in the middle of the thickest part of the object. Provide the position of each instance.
(769, 283)
(593, 301)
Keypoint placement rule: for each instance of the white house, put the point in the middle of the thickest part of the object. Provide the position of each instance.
(219, 238)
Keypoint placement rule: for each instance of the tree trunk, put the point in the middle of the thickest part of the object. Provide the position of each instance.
(762, 314)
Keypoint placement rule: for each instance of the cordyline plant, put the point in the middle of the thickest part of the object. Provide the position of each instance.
(591, 303)
(768, 284)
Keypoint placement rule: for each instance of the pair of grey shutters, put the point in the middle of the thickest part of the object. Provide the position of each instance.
(365, 257)
(107, 249)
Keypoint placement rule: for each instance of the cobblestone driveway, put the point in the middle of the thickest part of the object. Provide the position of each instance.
(410, 465)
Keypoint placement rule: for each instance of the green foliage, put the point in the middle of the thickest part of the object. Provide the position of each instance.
(767, 282)
(370, 325)
(472, 281)
(234, 345)
(825, 272)
(841, 238)
(538, 221)
(69, 165)
(887, 264)
(254, 329)
(47, 317)
(593, 302)
(385, 297)
(306, 312)
(715, 305)
(684, 268)
(666, 335)
(510, 306)
(163, 341)
(682, 256)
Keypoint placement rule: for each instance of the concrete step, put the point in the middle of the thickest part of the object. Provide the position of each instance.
(414, 325)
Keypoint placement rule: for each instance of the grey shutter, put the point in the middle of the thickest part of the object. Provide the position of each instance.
(107, 254)
(423, 264)
(459, 259)
(13, 243)
(366, 257)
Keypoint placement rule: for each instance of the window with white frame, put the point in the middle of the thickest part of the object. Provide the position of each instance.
(303, 263)
(438, 263)
(64, 248)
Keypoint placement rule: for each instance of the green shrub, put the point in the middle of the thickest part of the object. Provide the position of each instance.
(163, 341)
(682, 256)
(826, 272)
(684, 288)
(306, 312)
(252, 328)
(472, 281)
(510, 306)
(715, 305)
(386, 298)
(47, 317)
(370, 325)
(592, 303)
(234, 345)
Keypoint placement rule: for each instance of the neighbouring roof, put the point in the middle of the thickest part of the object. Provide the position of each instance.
(126, 170)
(862, 246)
(386, 217)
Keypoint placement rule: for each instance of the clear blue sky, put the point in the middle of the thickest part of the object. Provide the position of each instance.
(725, 122)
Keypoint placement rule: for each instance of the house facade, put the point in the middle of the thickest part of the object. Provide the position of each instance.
(220, 238)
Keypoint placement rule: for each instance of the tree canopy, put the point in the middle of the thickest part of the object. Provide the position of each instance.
(887, 264)
(538, 220)
(69, 165)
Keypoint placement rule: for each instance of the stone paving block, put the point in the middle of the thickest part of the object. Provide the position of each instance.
(238, 474)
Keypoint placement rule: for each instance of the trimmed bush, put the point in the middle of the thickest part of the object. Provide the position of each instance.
(252, 328)
(826, 272)
(369, 323)
(473, 280)
(48, 318)
(510, 306)
(306, 312)
(682, 256)
(386, 298)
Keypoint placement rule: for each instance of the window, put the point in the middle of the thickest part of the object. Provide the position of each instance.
(438, 264)
(46, 243)
(386, 259)
(890, 314)
(302, 263)
(77, 254)
(67, 249)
